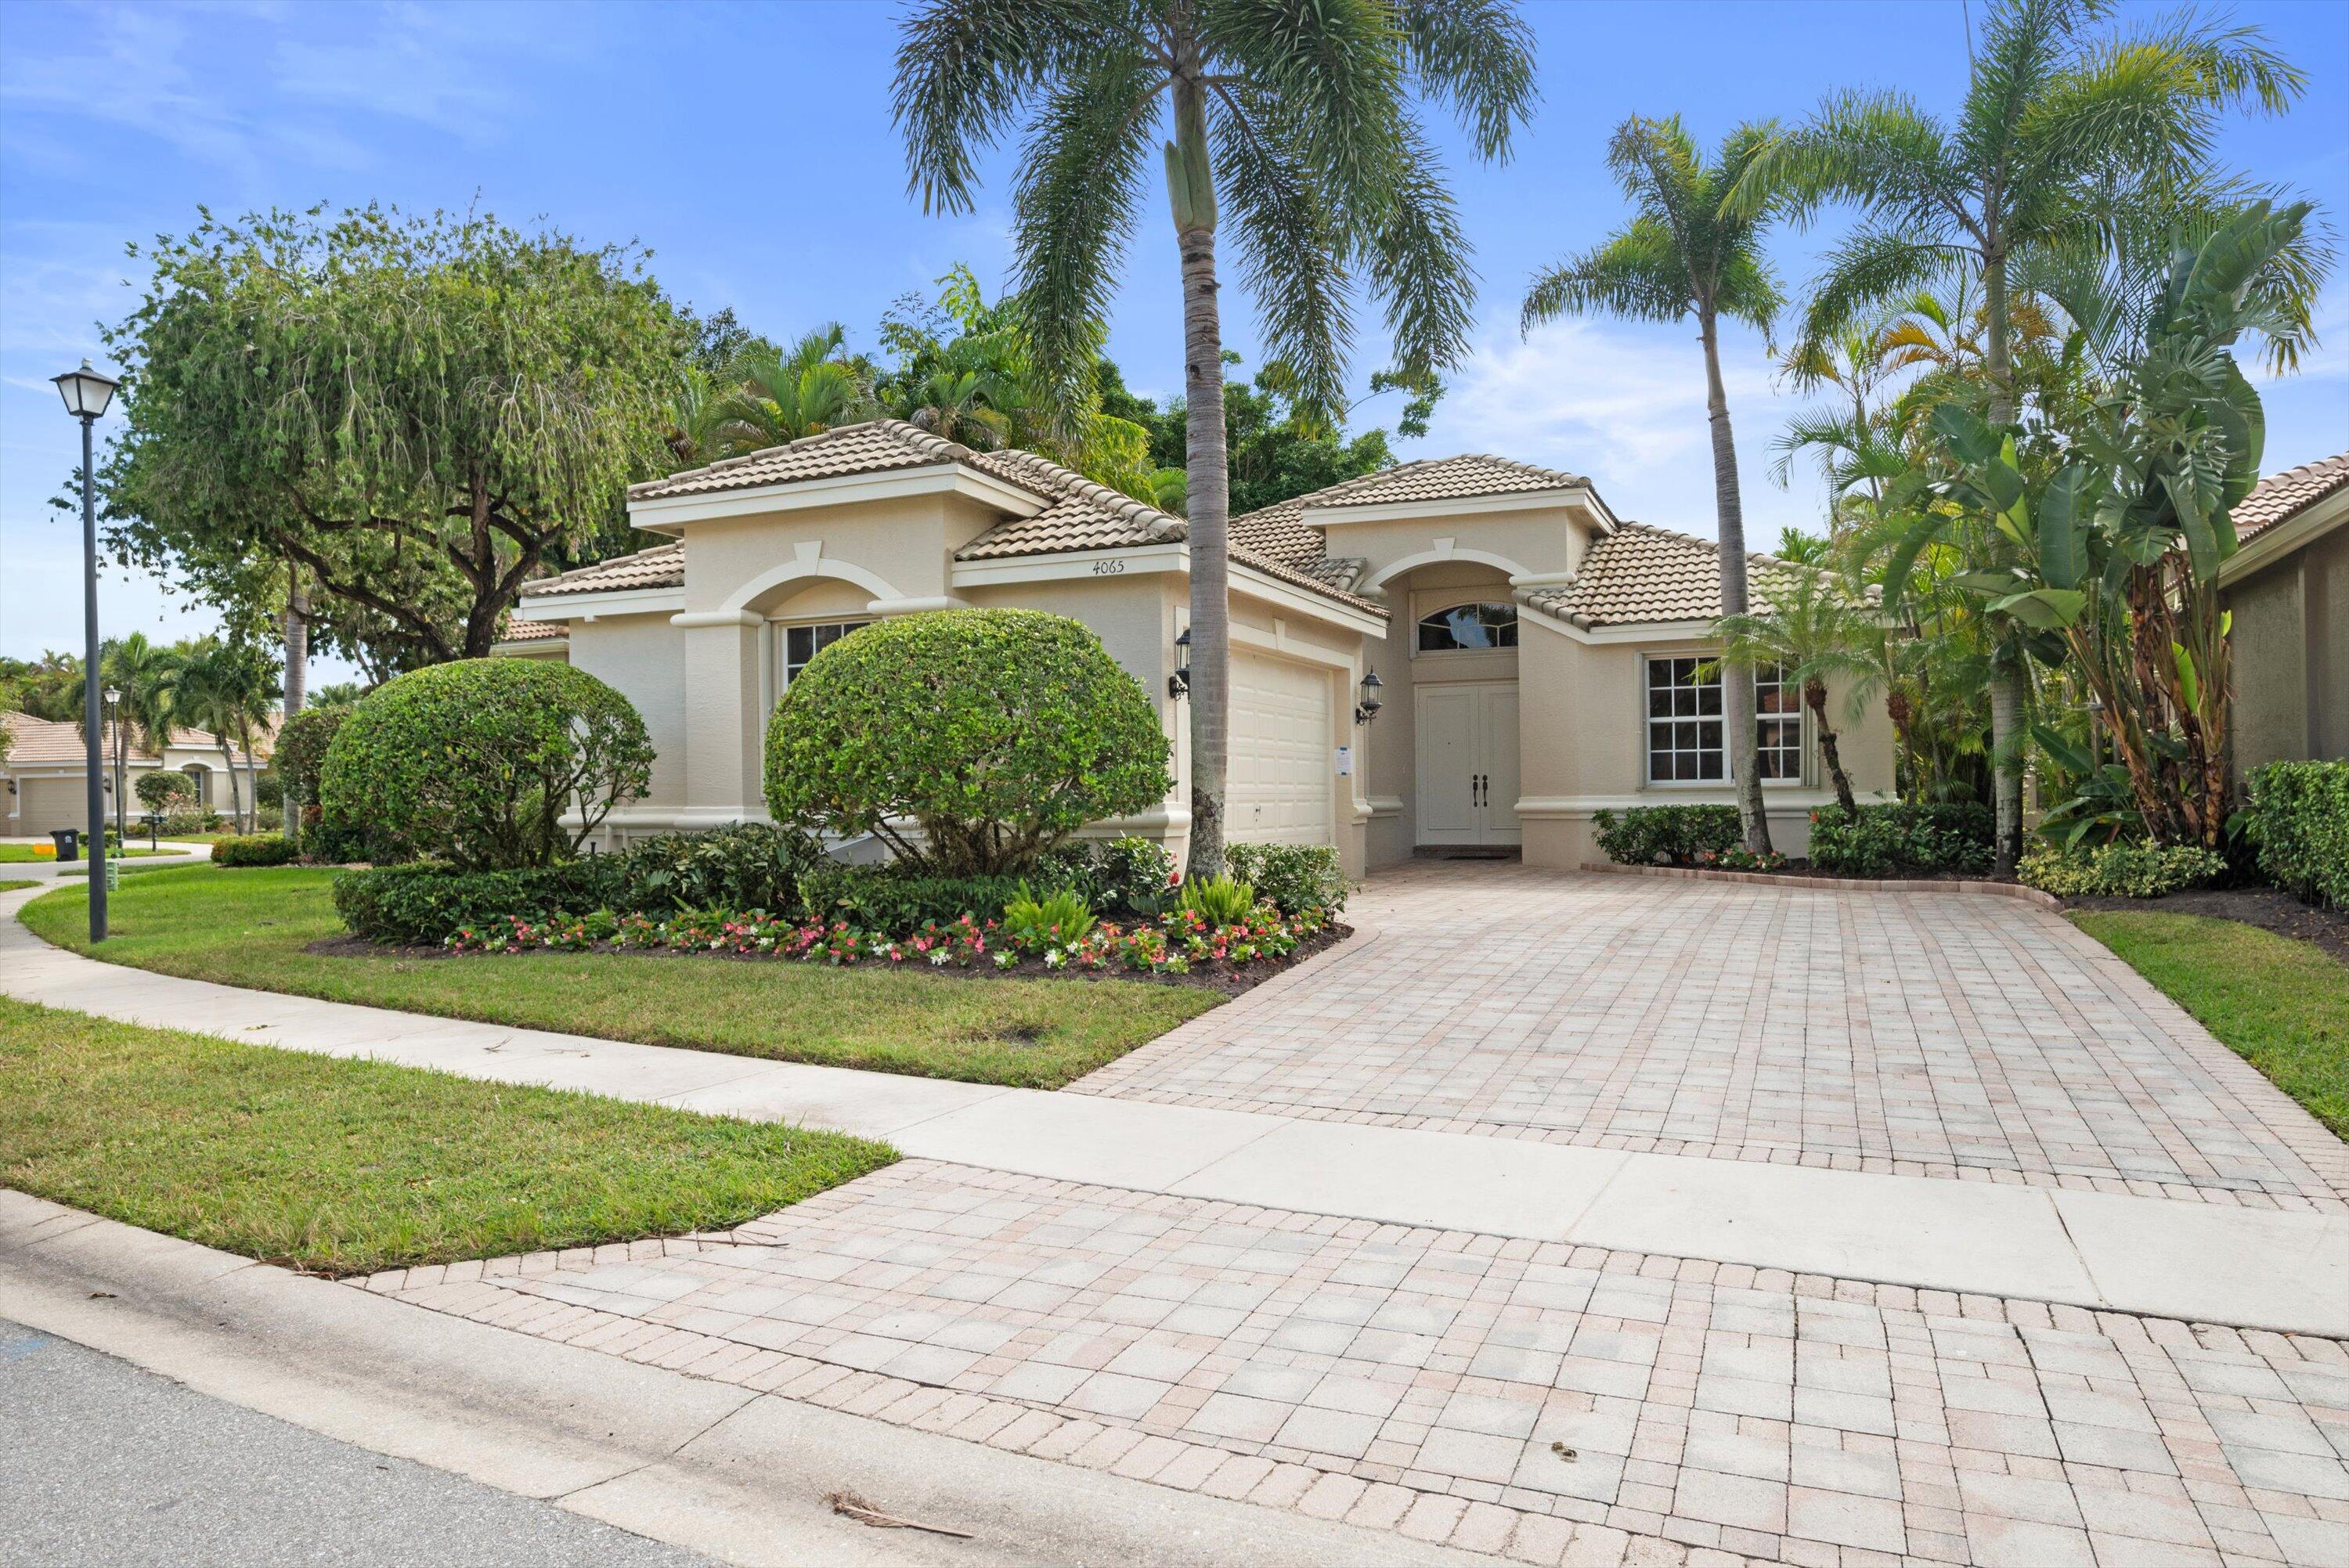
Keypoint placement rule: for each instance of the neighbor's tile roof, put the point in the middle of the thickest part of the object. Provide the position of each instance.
(662, 566)
(1639, 573)
(520, 631)
(2288, 493)
(46, 743)
(1467, 476)
(873, 447)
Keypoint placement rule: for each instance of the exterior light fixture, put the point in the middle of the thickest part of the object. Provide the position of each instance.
(1178, 684)
(87, 394)
(1366, 708)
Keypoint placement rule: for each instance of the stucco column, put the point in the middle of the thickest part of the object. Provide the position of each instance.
(723, 723)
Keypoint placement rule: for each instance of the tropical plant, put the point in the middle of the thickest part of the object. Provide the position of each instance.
(2061, 128)
(2116, 551)
(488, 764)
(968, 741)
(164, 790)
(1816, 631)
(779, 395)
(1300, 121)
(1688, 253)
(1220, 899)
(419, 412)
(225, 689)
(1055, 920)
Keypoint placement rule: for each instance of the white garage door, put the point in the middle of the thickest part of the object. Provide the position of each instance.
(1280, 764)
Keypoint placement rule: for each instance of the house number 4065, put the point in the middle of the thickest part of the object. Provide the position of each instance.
(1108, 568)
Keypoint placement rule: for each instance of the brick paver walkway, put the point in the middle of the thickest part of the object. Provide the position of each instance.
(1920, 1034)
(1549, 1403)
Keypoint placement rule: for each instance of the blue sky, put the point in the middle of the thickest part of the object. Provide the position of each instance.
(749, 146)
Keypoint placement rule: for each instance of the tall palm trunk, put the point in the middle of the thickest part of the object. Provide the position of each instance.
(1191, 189)
(1736, 679)
(2006, 690)
(236, 799)
(1815, 697)
(297, 641)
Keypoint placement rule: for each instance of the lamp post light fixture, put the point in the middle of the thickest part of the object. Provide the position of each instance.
(87, 394)
(1178, 684)
(1367, 707)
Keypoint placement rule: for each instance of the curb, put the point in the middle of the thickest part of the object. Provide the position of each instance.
(1851, 885)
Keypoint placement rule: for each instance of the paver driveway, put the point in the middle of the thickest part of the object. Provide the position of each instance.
(1949, 1035)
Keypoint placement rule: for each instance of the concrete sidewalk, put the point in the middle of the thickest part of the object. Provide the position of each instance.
(2198, 1261)
(177, 854)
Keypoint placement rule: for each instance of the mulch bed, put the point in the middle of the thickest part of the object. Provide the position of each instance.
(2268, 908)
(1223, 978)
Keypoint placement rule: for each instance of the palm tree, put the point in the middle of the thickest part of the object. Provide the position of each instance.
(780, 395)
(1685, 254)
(1299, 119)
(1816, 633)
(224, 688)
(2059, 130)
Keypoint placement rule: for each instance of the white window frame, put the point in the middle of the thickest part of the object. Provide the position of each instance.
(1466, 598)
(782, 634)
(1794, 717)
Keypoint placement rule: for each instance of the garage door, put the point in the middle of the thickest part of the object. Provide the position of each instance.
(1280, 762)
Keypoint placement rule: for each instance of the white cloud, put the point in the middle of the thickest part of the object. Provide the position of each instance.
(1625, 405)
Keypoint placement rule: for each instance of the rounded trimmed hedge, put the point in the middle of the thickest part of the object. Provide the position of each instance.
(477, 762)
(968, 740)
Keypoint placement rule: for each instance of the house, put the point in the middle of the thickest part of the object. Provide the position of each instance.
(44, 774)
(1536, 657)
(2287, 586)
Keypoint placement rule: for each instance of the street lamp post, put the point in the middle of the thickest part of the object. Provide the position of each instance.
(114, 723)
(87, 394)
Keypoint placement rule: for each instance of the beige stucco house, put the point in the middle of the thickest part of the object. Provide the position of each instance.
(2288, 587)
(42, 778)
(1534, 653)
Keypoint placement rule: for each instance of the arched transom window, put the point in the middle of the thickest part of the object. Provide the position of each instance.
(1468, 626)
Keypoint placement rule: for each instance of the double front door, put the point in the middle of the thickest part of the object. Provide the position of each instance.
(1468, 763)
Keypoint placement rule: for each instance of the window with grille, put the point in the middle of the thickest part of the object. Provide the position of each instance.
(801, 643)
(1685, 732)
(1468, 626)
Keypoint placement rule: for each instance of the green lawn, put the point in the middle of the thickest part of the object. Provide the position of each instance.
(13, 884)
(18, 854)
(347, 1167)
(250, 927)
(2282, 1005)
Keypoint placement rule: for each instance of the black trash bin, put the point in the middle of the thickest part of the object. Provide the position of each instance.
(68, 841)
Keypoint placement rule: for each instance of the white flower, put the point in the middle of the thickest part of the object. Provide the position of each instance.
(937, 958)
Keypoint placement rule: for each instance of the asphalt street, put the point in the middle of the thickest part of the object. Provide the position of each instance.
(102, 1464)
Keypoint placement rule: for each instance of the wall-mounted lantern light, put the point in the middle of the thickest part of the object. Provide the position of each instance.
(1178, 684)
(1367, 707)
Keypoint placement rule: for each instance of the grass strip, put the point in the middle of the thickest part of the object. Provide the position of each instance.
(253, 926)
(340, 1167)
(2282, 1005)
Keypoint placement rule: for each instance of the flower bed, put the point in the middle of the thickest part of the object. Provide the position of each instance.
(1178, 945)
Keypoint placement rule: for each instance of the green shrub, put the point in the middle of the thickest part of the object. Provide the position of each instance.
(996, 732)
(422, 906)
(2298, 818)
(1218, 901)
(268, 789)
(302, 742)
(1665, 835)
(2120, 871)
(165, 789)
(190, 823)
(1889, 839)
(254, 849)
(1294, 877)
(744, 866)
(477, 762)
(1133, 876)
(900, 897)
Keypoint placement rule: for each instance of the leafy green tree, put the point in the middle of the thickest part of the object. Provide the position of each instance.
(1686, 254)
(47, 687)
(2062, 129)
(420, 412)
(1297, 116)
(780, 395)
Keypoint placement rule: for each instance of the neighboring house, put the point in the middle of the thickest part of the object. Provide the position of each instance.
(2288, 587)
(44, 774)
(1534, 655)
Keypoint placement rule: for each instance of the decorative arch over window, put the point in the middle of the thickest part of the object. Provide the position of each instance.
(1466, 627)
